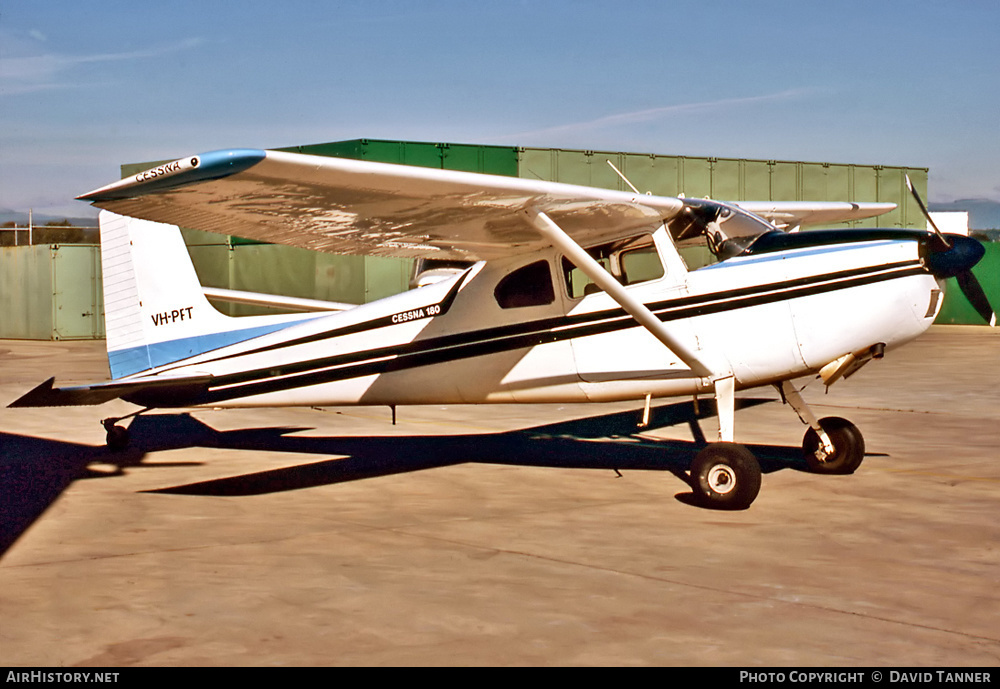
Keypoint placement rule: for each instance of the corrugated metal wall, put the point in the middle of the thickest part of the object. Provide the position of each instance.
(732, 179)
(51, 292)
(956, 309)
(494, 160)
(35, 302)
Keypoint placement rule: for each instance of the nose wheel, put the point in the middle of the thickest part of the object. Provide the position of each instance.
(848, 447)
(832, 445)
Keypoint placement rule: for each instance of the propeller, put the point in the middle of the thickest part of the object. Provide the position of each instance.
(954, 256)
(973, 291)
(927, 214)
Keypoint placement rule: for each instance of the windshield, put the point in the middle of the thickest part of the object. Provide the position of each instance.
(724, 230)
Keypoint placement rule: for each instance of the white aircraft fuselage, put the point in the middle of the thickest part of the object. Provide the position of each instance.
(763, 318)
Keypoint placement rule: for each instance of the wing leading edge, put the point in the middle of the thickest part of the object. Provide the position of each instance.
(791, 214)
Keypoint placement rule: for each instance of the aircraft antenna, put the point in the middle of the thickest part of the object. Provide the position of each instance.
(624, 177)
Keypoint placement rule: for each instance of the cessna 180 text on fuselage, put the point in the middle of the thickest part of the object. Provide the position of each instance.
(543, 292)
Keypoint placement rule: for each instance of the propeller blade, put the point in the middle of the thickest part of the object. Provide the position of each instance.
(923, 209)
(957, 261)
(973, 291)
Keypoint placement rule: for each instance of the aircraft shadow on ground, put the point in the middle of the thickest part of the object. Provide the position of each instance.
(35, 471)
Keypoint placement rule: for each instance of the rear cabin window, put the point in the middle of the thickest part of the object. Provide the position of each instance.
(527, 286)
(631, 261)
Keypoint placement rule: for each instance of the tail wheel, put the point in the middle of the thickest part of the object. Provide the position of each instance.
(117, 436)
(848, 447)
(725, 476)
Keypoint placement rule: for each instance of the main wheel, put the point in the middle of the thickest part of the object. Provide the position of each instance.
(725, 476)
(848, 447)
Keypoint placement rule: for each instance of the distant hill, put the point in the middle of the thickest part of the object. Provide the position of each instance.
(983, 213)
(8, 215)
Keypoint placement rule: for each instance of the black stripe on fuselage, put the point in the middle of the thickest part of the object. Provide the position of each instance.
(521, 335)
(381, 322)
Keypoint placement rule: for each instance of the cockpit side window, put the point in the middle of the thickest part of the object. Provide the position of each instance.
(640, 265)
(530, 285)
(630, 261)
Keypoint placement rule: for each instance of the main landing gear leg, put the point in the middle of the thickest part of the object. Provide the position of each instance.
(832, 445)
(726, 475)
(117, 438)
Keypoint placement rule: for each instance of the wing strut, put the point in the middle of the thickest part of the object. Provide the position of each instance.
(635, 308)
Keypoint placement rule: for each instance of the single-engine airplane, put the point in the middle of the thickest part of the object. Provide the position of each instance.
(532, 292)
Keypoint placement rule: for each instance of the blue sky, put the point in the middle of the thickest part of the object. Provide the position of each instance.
(85, 87)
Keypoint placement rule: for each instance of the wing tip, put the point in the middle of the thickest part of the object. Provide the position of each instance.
(176, 173)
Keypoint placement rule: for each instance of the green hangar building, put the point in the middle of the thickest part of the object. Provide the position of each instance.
(232, 263)
(64, 282)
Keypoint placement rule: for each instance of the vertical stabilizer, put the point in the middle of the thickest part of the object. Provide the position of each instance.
(155, 310)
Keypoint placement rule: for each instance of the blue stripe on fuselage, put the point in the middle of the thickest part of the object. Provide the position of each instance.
(797, 253)
(125, 362)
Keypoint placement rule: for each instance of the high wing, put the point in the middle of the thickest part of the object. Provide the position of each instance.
(791, 214)
(348, 206)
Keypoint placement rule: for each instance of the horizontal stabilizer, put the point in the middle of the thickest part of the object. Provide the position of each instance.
(273, 300)
(175, 390)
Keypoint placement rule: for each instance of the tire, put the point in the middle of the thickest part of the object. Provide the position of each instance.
(117, 438)
(725, 476)
(848, 447)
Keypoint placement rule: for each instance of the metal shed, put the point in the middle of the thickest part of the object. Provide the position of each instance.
(37, 301)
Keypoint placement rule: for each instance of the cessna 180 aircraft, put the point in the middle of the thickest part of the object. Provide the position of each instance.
(543, 292)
